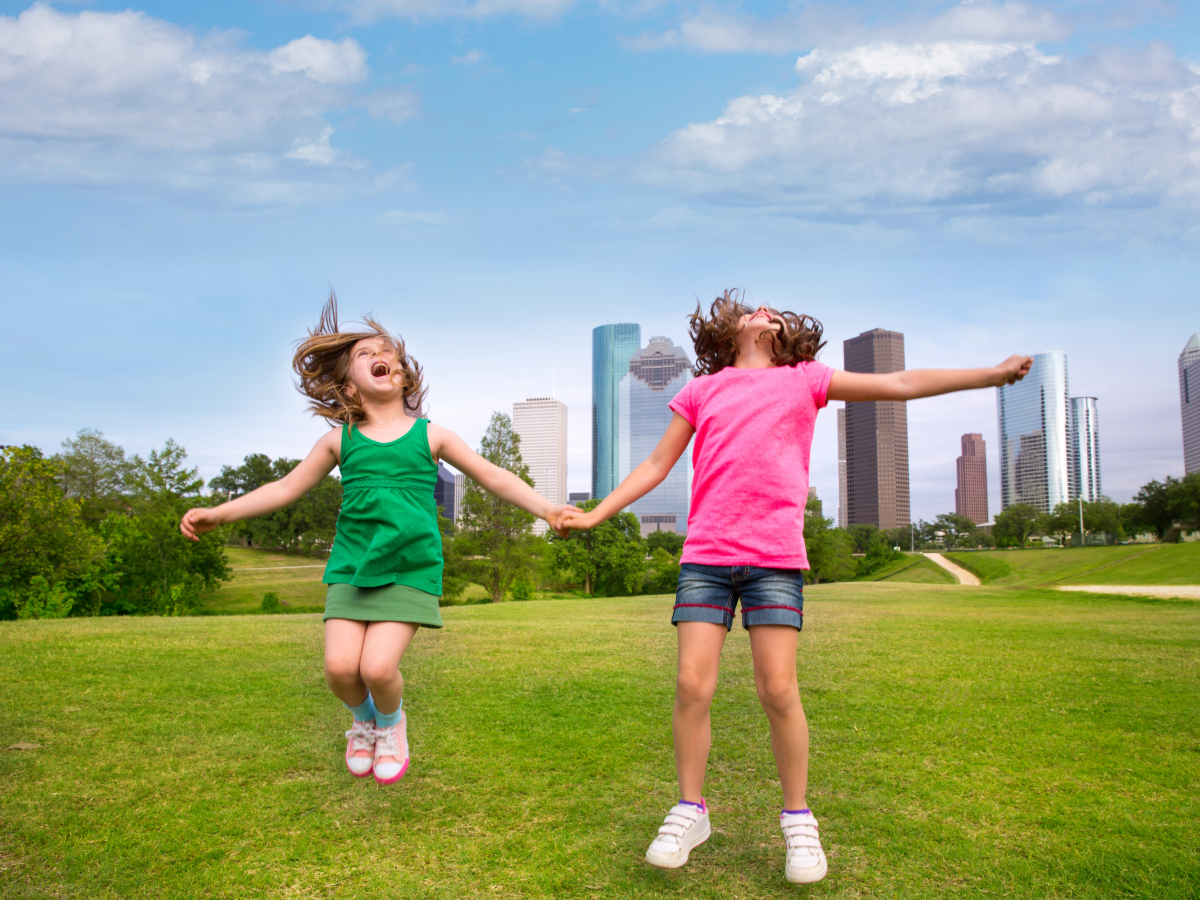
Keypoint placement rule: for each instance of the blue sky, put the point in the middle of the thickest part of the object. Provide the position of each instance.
(183, 183)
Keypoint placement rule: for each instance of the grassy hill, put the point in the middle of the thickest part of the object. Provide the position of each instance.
(911, 570)
(965, 744)
(1133, 564)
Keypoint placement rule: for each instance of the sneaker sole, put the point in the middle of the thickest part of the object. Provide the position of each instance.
(403, 771)
(676, 862)
(810, 875)
(357, 774)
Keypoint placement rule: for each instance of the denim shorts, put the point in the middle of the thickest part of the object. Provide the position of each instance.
(711, 594)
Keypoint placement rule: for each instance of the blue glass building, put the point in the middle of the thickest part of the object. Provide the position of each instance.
(1035, 431)
(1085, 450)
(656, 374)
(612, 348)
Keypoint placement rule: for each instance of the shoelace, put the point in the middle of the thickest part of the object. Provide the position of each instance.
(362, 734)
(678, 820)
(801, 836)
(387, 743)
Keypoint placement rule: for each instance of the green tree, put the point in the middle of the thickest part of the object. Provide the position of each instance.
(610, 559)
(1183, 500)
(454, 580)
(162, 572)
(95, 473)
(957, 531)
(306, 526)
(1015, 524)
(862, 533)
(495, 543)
(1102, 516)
(830, 550)
(1061, 522)
(50, 561)
(670, 541)
(1155, 513)
(664, 570)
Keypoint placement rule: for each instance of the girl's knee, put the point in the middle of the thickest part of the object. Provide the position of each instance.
(378, 675)
(694, 687)
(778, 692)
(338, 671)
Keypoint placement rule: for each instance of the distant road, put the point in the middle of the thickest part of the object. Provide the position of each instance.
(1183, 591)
(963, 576)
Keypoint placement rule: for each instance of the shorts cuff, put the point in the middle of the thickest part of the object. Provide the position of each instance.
(699, 612)
(773, 616)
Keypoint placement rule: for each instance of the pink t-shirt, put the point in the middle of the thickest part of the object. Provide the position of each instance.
(754, 431)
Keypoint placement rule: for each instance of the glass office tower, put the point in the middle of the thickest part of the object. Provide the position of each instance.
(655, 376)
(1085, 450)
(1034, 429)
(612, 348)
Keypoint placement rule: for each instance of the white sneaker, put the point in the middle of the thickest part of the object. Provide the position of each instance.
(360, 748)
(391, 752)
(685, 828)
(805, 858)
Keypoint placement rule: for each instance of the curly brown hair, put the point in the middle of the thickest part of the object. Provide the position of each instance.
(797, 340)
(322, 360)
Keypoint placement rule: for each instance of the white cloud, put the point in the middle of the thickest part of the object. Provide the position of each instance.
(394, 105)
(947, 125)
(323, 61)
(470, 58)
(715, 30)
(372, 10)
(123, 98)
(402, 217)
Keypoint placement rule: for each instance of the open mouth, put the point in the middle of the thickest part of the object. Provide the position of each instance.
(380, 369)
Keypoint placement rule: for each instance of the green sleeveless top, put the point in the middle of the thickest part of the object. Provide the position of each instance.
(387, 530)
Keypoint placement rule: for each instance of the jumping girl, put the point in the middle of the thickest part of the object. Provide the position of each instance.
(385, 569)
(752, 412)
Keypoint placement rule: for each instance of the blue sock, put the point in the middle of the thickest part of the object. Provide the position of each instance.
(387, 720)
(797, 812)
(365, 711)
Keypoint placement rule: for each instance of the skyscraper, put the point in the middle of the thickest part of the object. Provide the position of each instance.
(445, 494)
(841, 510)
(970, 497)
(1189, 403)
(876, 438)
(542, 424)
(1085, 449)
(656, 374)
(612, 347)
(1034, 427)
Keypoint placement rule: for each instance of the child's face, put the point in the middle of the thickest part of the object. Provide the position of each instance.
(755, 324)
(374, 371)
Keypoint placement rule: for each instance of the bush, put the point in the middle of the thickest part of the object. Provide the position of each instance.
(522, 588)
(270, 603)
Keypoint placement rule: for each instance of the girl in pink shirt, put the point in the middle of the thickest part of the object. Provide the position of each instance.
(752, 413)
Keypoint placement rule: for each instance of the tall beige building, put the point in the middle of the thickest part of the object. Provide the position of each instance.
(842, 498)
(542, 424)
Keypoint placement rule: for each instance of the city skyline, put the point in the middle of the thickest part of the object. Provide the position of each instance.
(970, 495)
(484, 177)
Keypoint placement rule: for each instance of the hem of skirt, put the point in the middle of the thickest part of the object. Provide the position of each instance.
(424, 623)
(424, 586)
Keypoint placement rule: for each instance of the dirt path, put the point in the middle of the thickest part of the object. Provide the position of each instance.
(963, 576)
(1185, 591)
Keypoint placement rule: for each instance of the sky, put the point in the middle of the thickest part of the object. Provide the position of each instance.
(184, 183)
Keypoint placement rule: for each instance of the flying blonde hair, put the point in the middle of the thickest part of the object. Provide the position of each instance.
(322, 360)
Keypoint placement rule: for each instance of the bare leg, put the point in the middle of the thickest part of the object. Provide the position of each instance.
(700, 646)
(774, 650)
(383, 645)
(343, 653)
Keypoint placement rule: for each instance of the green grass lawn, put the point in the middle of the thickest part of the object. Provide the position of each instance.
(912, 570)
(981, 743)
(1129, 564)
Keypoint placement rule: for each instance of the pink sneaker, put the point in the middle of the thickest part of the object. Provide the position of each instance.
(391, 752)
(360, 748)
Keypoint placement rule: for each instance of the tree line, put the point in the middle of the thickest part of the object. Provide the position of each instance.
(92, 531)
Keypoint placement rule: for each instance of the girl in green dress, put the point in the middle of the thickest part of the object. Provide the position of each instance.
(385, 571)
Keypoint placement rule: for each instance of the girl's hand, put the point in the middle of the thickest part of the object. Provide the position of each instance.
(555, 516)
(577, 520)
(1013, 370)
(198, 521)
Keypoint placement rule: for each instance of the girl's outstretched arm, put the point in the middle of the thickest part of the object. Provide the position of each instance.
(270, 497)
(642, 480)
(916, 383)
(447, 445)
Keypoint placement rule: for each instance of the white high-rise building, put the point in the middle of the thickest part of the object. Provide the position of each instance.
(542, 424)
(1035, 417)
(1085, 450)
(1189, 403)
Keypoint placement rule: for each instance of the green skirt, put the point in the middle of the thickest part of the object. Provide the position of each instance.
(390, 603)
